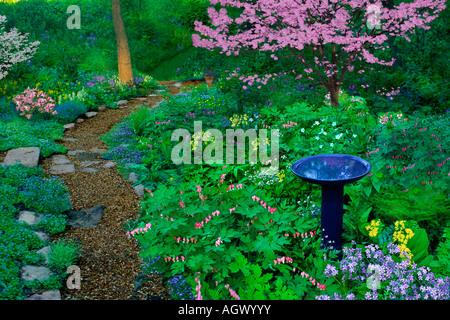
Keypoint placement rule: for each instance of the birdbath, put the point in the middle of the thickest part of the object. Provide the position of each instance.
(331, 172)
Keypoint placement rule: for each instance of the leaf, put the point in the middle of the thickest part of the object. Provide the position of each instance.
(368, 190)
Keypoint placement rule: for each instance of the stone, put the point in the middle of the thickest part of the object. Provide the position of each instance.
(122, 102)
(85, 164)
(87, 156)
(29, 217)
(70, 139)
(98, 150)
(30, 273)
(109, 164)
(133, 177)
(45, 252)
(69, 125)
(28, 157)
(89, 170)
(102, 107)
(60, 159)
(91, 114)
(154, 95)
(62, 169)
(47, 295)
(80, 120)
(75, 152)
(86, 218)
(42, 235)
(139, 189)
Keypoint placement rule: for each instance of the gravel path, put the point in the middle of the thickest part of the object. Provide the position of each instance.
(109, 261)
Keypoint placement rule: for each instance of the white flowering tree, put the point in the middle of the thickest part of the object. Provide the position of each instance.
(14, 48)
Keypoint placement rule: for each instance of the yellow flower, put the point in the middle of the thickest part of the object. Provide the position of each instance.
(373, 228)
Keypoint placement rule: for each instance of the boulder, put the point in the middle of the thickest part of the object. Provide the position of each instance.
(30, 217)
(28, 157)
(30, 273)
(139, 189)
(86, 218)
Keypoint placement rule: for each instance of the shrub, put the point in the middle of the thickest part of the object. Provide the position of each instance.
(69, 111)
(32, 101)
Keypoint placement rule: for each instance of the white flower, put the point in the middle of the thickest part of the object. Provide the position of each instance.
(339, 136)
(317, 138)
(333, 124)
(321, 146)
(354, 136)
(317, 123)
(302, 129)
(331, 144)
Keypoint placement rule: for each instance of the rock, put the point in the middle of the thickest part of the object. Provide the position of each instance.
(91, 114)
(42, 235)
(62, 169)
(80, 120)
(139, 189)
(29, 217)
(102, 107)
(86, 218)
(133, 177)
(30, 273)
(28, 157)
(47, 295)
(69, 125)
(60, 159)
(70, 139)
(87, 156)
(75, 152)
(45, 251)
(109, 164)
(98, 150)
(85, 164)
(122, 102)
(89, 170)
(153, 95)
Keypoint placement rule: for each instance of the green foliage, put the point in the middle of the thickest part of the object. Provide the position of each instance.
(62, 255)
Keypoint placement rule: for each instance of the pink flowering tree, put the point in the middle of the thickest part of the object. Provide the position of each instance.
(337, 33)
(14, 48)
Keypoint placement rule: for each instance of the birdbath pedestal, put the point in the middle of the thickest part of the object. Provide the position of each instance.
(331, 172)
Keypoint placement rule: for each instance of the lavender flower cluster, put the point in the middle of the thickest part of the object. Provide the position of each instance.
(399, 279)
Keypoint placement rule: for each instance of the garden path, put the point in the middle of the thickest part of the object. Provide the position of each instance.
(109, 261)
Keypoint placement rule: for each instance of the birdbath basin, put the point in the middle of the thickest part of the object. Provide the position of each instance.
(331, 172)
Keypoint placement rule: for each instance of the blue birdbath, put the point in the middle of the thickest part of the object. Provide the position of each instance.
(331, 172)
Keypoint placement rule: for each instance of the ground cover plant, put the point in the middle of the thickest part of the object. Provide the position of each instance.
(25, 188)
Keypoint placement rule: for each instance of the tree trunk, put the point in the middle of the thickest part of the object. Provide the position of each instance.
(334, 95)
(123, 52)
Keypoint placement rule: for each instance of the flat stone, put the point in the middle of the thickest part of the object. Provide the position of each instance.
(122, 102)
(47, 295)
(45, 252)
(70, 139)
(89, 170)
(75, 152)
(109, 164)
(60, 159)
(62, 169)
(30, 217)
(80, 120)
(133, 177)
(69, 125)
(139, 189)
(85, 164)
(90, 114)
(98, 150)
(86, 218)
(28, 157)
(30, 273)
(87, 156)
(42, 235)
(154, 95)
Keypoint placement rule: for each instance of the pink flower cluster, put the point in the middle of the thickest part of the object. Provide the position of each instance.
(149, 191)
(34, 100)
(218, 242)
(282, 260)
(232, 187)
(140, 230)
(370, 152)
(163, 122)
(232, 292)
(263, 204)
(313, 281)
(198, 288)
(289, 124)
(185, 240)
(200, 224)
(174, 259)
(303, 235)
(407, 168)
(199, 190)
